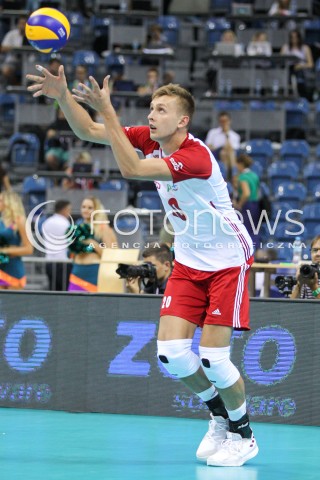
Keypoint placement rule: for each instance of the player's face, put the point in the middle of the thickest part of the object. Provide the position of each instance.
(164, 118)
(87, 207)
(315, 252)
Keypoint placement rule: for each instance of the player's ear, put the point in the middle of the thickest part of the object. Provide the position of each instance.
(184, 121)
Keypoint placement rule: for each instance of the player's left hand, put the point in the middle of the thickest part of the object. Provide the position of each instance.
(96, 97)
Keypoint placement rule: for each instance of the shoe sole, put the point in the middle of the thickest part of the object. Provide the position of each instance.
(250, 455)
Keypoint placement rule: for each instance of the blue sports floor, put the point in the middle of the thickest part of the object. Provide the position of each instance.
(47, 445)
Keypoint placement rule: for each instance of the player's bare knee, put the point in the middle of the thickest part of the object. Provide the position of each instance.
(177, 357)
(218, 367)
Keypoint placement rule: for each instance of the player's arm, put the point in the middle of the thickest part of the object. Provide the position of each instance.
(131, 166)
(55, 86)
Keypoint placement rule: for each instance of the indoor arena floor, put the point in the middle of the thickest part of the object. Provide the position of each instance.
(51, 445)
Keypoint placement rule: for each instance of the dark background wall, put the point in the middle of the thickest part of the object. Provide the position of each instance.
(97, 353)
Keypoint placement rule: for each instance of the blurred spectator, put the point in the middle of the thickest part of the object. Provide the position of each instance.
(247, 203)
(224, 142)
(55, 227)
(56, 150)
(309, 287)
(11, 66)
(4, 179)
(147, 89)
(160, 256)
(88, 247)
(259, 45)
(281, 7)
(228, 37)
(80, 76)
(155, 38)
(168, 77)
(152, 82)
(14, 242)
(82, 164)
(302, 71)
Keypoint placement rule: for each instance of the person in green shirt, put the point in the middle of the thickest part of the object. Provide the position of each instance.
(247, 202)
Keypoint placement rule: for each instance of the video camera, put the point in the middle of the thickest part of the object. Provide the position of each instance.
(145, 270)
(285, 284)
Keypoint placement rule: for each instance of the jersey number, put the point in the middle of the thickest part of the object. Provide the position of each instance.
(176, 210)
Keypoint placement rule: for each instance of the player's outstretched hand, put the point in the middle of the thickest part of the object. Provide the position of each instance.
(96, 98)
(52, 86)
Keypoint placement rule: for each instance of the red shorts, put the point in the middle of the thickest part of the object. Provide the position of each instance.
(213, 298)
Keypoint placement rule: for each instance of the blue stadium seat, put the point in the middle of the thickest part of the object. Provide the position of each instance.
(281, 170)
(297, 113)
(215, 27)
(7, 108)
(287, 231)
(260, 150)
(227, 105)
(86, 57)
(100, 25)
(115, 64)
(276, 207)
(315, 192)
(221, 6)
(311, 174)
(24, 150)
(311, 31)
(114, 185)
(268, 105)
(149, 200)
(34, 192)
(293, 192)
(258, 169)
(311, 217)
(318, 151)
(317, 105)
(77, 21)
(170, 26)
(296, 151)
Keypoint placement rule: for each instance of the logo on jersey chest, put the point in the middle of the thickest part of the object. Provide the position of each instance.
(172, 187)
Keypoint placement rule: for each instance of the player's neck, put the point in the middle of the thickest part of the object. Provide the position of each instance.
(172, 144)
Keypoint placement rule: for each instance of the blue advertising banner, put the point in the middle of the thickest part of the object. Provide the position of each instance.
(97, 353)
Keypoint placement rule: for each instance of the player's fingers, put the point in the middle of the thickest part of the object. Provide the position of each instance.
(94, 83)
(34, 78)
(43, 70)
(61, 71)
(106, 82)
(34, 88)
(79, 99)
(38, 93)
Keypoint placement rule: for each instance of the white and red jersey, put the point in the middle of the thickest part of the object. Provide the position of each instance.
(208, 233)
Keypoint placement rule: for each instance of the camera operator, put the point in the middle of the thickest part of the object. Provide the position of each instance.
(160, 256)
(309, 286)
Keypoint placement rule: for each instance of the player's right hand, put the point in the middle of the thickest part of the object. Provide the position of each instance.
(52, 86)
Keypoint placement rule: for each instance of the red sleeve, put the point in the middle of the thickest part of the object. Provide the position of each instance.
(139, 138)
(190, 163)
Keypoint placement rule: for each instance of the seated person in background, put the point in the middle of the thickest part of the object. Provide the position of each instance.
(259, 45)
(11, 66)
(82, 164)
(281, 7)
(160, 256)
(309, 287)
(228, 37)
(152, 82)
(146, 90)
(304, 65)
(56, 153)
(224, 142)
(80, 76)
(247, 203)
(4, 179)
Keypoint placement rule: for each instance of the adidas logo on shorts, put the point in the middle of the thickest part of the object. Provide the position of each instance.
(216, 312)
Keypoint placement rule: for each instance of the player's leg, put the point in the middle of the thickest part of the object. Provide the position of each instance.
(224, 313)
